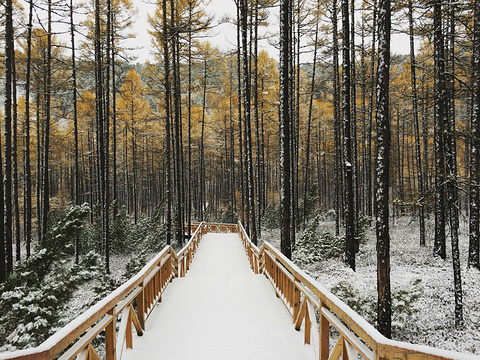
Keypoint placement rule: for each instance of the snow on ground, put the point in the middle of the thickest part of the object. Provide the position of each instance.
(220, 310)
(430, 320)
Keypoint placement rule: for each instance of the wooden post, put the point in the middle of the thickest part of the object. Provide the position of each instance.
(324, 332)
(141, 308)
(128, 331)
(296, 301)
(110, 337)
(308, 324)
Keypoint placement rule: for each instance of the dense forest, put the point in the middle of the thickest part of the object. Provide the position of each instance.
(94, 144)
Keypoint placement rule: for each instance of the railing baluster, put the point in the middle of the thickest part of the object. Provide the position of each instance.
(324, 335)
(110, 337)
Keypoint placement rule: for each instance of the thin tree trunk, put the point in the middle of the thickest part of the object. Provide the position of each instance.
(384, 305)
(247, 124)
(179, 230)
(76, 173)
(46, 143)
(27, 200)
(15, 194)
(474, 240)
(285, 196)
(337, 122)
(413, 66)
(167, 123)
(106, 146)
(7, 178)
(309, 124)
(347, 142)
(370, 114)
(451, 181)
(439, 247)
(239, 72)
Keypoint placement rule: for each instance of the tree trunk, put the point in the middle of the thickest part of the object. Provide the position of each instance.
(46, 130)
(309, 123)
(347, 142)
(15, 193)
(76, 173)
(421, 188)
(167, 124)
(247, 124)
(337, 122)
(106, 146)
(179, 230)
(384, 305)
(451, 180)
(285, 120)
(474, 243)
(439, 248)
(7, 178)
(27, 200)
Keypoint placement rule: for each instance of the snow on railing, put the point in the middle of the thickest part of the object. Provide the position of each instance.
(307, 301)
(304, 298)
(145, 290)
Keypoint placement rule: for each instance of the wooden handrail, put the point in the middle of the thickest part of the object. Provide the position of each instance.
(145, 289)
(305, 298)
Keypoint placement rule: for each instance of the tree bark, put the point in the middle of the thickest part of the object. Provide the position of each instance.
(451, 180)
(384, 304)
(439, 247)
(347, 142)
(413, 65)
(27, 201)
(285, 120)
(167, 124)
(247, 124)
(474, 240)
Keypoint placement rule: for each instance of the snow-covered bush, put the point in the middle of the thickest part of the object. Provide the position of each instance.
(403, 302)
(362, 304)
(229, 216)
(313, 246)
(307, 205)
(271, 217)
(35, 293)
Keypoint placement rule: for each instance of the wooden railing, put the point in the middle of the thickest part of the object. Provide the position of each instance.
(144, 290)
(307, 301)
(304, 298)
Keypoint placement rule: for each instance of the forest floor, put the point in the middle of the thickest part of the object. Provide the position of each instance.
(422, 286)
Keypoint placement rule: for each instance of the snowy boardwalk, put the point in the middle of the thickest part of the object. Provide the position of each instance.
(220, 310)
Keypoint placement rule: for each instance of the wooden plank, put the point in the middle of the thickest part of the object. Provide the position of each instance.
(337, 350)
(86, 338)
(300, 315)
(92, 353)
(136, 321)
(348, 334)
(122, 332)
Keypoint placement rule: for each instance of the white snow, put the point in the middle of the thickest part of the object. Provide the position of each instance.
(220, 310)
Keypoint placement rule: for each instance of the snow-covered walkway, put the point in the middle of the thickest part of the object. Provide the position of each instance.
(220, 310)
